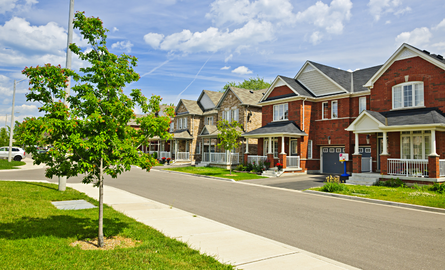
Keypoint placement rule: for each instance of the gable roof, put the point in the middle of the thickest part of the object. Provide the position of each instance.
(245, 96)
(191, 106)
(214, 96)
(209, 130)
(403, 52)
(361, 76)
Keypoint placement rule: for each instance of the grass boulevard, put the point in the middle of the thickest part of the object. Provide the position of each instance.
(216, 172)
(36, 235)
(5, 165)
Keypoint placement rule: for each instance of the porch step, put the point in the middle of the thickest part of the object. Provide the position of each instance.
(272, 172)
(203, 164)
(363, 179)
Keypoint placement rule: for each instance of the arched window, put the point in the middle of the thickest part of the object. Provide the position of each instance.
(406, 95)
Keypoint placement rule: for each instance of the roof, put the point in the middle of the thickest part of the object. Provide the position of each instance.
(245, 96)
(422, 116)
(361, 76)
(181, 134)
(209, 130)
(341, 77)
(191, 106)
(214, 96)
(276, 128)
(132, 122)
(213, 111)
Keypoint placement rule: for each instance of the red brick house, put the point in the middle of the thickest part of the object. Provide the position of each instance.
(310, 119)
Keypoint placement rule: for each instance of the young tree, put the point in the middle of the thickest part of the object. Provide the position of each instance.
(4, 137)
(91, 135)
(229, 137)
(252, 83)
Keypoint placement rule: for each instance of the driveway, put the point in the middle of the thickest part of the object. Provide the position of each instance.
(295, 181)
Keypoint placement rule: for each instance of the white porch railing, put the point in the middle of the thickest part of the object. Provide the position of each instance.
(151, 152)
(182, 156)
(164, 154)
(442, 167)
(220, 158)
(366, 164)
(256, 159)
(293, 161)
(408, 167)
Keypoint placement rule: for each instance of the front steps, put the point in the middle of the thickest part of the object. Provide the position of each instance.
(203, 164)
(363, 179)
(272, 172)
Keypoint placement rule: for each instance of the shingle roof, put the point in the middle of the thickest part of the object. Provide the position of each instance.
(214, 96)
(434, 56)
(209, 130)
(282, 127)
(182, 134)
(132, 122)
(297, 86)
(192, 106)
(248, 97)
(342, 77)
(213, 111)
(410, 117)
(362, 76)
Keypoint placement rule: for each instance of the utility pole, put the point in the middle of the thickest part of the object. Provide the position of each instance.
(6, 121)
(11, 132)
(62, 179)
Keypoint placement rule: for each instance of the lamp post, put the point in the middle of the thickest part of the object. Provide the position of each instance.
(11, 132)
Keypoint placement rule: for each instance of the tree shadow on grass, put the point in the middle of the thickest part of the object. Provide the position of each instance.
(62, 226)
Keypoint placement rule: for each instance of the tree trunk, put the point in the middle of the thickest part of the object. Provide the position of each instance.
(229, 157)
(100, 238)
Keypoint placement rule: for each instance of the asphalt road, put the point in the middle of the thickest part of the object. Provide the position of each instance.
(363, 235)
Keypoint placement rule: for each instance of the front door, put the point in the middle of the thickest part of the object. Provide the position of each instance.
(294, 148)
(379, 150)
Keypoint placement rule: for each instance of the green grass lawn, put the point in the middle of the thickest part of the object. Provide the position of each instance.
(5, 165)
(36, 235)
(418, 196)
(216, 172)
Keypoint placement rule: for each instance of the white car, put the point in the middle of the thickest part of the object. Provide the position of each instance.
(17, 153)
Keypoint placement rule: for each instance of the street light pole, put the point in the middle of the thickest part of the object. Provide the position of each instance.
(62, 179)
(11, 132)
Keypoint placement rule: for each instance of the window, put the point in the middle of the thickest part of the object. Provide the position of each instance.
(334, 109)
(235, 115)
(198, 148)
(309, 149)
(361, 104)
(274, 147)
(293, 147)
(280, 112)
(325, 110)
(415, 144)
(172, 126)
(208, 120)
(185, 122)
(407, 95)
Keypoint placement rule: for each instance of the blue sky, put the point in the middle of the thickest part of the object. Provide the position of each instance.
(186, 46)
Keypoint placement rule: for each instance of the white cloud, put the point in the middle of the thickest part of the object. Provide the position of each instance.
(122, 45)
(331, 17)
(379, 7)
(388, 22)
(439, 45)
(440, 25)
(417, 37)
(153, 39)
(16, 5)
(243, 11)
(316, 37)
(242, 70)
(228, 58)
(115, 29)
(225, 67)
(6, 100)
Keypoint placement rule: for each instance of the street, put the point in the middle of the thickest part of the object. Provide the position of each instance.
(360, 234)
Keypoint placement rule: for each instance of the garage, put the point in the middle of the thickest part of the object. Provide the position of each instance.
(330, 159)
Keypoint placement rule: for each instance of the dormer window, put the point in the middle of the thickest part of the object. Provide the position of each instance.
(406, 95)
(280, 112)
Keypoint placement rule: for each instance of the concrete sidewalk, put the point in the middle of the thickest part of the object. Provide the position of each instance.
(28, 166)
(225, 243)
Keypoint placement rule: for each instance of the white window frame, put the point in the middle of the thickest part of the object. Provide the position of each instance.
(309, 149)
(274, 147)
(426, 136)
(172, 126)
(334, 109)
(361, 105)
(185, 122)
(401, 87)
(209, 120)
(281, 112)
(290, 146)
(323, 109)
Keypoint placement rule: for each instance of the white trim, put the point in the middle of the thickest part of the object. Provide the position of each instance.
(332, 110)
(322, 110)
(272, 87)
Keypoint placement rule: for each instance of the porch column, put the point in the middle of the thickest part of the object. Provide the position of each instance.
(159, 148)
(384, 163)
(433, 143)
(385, 144)
(433, 166)
(282, 155)
(356, 163)
(176, 149)
(270, 153)
(282, 145)
(247, 145)
(356, 151)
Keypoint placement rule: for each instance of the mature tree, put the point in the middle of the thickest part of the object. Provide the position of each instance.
(91, 136)
(228, 136)
(4, 137)
(252, 83)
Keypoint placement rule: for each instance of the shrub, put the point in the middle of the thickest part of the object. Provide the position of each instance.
(439, 188)
(155, 155)
(240, 167)
(249, 167)
(391, 183)
(333, 187)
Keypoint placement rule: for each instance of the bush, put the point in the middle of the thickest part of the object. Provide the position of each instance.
(155, 155)
(240, 167)
(391, 183)
(333, 187)
(249, 167)
(439, 188)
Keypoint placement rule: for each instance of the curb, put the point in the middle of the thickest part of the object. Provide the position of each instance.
(197, 175)
(403, 205)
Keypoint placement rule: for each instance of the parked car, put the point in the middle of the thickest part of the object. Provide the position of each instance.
(17, 153)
